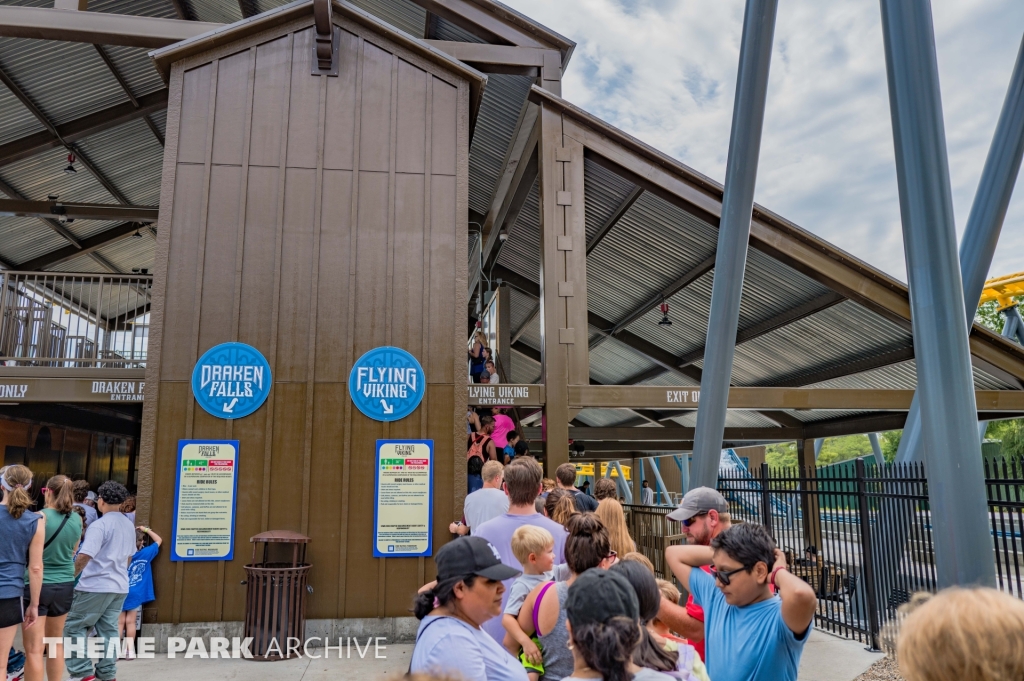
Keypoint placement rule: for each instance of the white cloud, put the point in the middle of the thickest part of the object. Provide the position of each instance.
(664, 71)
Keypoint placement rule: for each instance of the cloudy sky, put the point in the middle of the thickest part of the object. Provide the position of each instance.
(665, 71)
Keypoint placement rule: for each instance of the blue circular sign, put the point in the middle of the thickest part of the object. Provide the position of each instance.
(231, 380)
(387, 384)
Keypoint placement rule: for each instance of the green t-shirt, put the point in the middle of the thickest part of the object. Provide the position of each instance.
(59, 556)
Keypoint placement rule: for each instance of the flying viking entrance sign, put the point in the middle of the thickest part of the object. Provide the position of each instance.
(387, 384)
(231, 380)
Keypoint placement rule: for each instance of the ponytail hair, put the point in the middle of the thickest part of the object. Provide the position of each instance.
(62, 497)
(443, 593)
(608, 648)
(16, 480)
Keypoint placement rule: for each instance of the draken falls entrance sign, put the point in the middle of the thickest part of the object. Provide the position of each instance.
(387, 384)
(231, 380)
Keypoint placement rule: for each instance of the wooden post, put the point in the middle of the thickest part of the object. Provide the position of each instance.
(808, 497)
(563, 280)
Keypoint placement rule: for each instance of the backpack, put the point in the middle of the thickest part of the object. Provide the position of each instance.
(477, 447)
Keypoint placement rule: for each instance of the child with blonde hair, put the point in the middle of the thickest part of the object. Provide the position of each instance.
(534, 548)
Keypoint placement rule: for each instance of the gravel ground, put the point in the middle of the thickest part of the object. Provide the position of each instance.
(885, 669)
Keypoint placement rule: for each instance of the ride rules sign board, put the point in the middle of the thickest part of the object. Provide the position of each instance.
(403, 510)
(204, 500)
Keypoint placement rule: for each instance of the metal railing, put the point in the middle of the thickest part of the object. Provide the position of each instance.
(74, 320)
(858, 533)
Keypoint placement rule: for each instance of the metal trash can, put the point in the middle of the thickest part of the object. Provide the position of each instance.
(275, 601)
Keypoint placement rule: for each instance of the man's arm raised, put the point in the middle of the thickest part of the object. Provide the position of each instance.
(682, 559)
(798, 599)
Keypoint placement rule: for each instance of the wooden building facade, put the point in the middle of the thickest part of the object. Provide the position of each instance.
(313, 217)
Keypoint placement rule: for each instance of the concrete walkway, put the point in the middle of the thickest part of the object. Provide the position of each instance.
(826, 658)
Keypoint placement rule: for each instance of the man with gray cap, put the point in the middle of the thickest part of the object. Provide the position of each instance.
(703, 514)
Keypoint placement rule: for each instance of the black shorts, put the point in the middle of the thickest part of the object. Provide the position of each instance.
(10, 612)
(54, 599)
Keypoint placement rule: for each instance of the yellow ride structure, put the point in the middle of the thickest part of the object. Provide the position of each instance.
(587, 469)
(1003, 289)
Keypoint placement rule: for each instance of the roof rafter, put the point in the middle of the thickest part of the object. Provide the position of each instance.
(88, 245)
(72, 131)
(616, 215)
(128, 91)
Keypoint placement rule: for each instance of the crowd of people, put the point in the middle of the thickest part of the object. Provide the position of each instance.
(548, 588)
(78, 567)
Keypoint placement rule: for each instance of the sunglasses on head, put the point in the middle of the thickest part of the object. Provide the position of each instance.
(691, 520)
(725, 577)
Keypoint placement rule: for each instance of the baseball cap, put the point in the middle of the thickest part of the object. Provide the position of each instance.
(91, 496)
(471, 556)
(697, 501)
(599, 595)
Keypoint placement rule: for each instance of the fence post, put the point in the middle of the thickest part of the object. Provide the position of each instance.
(867, 556)
(766, 500)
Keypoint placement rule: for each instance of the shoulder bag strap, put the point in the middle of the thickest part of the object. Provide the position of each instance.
(54, 535)
(536, 607)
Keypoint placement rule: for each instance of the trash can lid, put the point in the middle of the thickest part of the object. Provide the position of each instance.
(280, 537)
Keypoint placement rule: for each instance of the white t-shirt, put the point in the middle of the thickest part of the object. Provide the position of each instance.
(451, 647)
(110, 541)
(484, 504)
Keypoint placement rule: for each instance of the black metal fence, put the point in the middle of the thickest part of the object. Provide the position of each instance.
(859, 533)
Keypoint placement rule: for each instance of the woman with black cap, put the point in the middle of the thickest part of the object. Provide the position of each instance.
(604, 629)
(467, 593)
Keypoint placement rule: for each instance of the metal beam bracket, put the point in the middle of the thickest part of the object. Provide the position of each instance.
(328, 38)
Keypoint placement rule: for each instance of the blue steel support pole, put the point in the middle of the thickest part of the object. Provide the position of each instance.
(984, 224)
(956, 486)
(876, 448)
(733, 235)
(817, 447)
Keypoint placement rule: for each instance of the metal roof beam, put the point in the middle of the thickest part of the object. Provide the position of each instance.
(645, 434)
(103, 28)
(780, 320)
(88, 245)
(42, 118)
(72, 131)
(248, 8)
(602, 232)
(841, 368)
(52, 224)
(522, 327)
(77, 211)
(128, 91)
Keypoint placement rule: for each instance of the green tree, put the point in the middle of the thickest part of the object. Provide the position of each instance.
(988, 315)
(1011, 434)
(781, 455)
(890, 442)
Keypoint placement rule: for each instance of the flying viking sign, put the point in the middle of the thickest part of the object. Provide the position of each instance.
(387, 384)
(231, 380)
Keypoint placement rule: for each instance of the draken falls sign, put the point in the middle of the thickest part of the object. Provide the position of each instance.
(231, 380)
(387, 384)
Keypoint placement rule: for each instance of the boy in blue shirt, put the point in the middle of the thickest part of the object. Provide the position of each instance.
(750, 633)
(140, 585)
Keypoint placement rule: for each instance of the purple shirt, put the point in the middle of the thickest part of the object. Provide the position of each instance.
(499, 531)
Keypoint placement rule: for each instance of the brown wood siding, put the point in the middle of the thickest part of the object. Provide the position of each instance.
(315, 221)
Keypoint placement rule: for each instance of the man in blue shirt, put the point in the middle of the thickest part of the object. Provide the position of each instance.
(750, 633)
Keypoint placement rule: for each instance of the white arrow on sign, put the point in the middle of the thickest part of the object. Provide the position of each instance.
(230, 408)
(387, 409)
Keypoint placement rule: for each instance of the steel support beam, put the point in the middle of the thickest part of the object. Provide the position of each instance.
(623, 207)
(100, 28)
(733, 235)
(660, 488)
(876, 448)
(77, 211)
(128, 91)
(1012, 330)
(52, 224)
(952, 453)
(984, 224)
(74, 130)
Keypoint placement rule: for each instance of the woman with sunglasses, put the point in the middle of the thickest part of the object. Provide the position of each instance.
(63, 531)
(749, 632)
(543, 612)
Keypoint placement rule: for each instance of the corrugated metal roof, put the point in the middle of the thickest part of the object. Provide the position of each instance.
(524, 369)
(134, 252)
(446, 30)
(130, 156)
(603, 418)
(522, 308)
(401, 14)
(65, 80)
(611, 362)
(219, 11)
(503, 99)
(144, 8)
(842, 334)
(135, 66)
